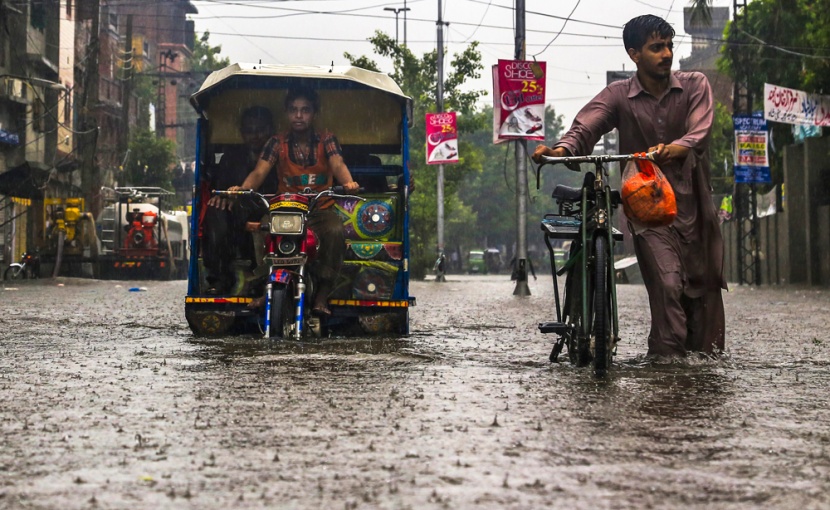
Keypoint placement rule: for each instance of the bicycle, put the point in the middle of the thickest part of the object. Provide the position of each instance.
(586, 321)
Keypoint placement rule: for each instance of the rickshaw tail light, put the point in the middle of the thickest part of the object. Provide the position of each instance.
(287, 223)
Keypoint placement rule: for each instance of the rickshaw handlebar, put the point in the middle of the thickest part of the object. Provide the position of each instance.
(334, 192)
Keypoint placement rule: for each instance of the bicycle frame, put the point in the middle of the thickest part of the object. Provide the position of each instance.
(585, 225)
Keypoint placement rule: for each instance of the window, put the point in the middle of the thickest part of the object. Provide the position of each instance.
(38, 115)
(37, 14)
(67, 107)
(68, 9)
(2, 47)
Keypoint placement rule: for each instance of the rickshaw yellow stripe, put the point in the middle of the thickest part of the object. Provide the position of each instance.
(237, 300)
(358, 302)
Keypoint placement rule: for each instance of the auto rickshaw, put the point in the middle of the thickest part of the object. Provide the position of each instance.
(370, 116)
(475, 262)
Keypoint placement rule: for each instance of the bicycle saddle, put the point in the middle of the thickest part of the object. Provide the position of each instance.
(571, 194)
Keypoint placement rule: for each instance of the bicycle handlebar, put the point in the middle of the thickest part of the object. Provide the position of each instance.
(599, 158)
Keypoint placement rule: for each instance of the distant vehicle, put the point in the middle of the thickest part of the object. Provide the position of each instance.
(140, 240)
(492, 261)
(475, 262)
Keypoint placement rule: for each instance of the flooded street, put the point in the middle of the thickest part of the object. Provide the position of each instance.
(110, 402)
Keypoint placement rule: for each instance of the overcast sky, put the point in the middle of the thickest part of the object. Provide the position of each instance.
(319, 31)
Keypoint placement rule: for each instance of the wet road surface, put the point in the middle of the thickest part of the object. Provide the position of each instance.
(108, 401)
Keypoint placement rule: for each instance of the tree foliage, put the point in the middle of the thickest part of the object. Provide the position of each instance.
(205, 57)
(782, 42)
(149, 160)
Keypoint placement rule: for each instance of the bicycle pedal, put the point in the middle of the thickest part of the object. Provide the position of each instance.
(553, 327)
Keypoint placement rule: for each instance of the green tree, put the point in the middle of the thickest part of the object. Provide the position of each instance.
(721, 150)
(491, 193)
(781, 42)
(205, 58)
(149, 160)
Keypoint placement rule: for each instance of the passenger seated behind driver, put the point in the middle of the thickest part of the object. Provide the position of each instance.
(224, 220)
(301, 158)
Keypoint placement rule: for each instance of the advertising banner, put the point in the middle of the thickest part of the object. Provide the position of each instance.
(792, 106)
(751, 149)
(519, 100)
(442, 138)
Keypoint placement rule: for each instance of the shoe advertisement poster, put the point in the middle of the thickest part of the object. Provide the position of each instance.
(442, 138)
(519, 100)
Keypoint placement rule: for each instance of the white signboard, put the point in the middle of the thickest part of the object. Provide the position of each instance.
(795, 106)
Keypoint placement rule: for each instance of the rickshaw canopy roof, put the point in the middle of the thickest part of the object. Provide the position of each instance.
(264, 72)
(359, 106)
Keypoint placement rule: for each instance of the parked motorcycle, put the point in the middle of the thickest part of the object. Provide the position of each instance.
(28, 267)
(290, 248)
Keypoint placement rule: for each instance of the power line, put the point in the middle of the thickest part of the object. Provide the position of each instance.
(560, 30)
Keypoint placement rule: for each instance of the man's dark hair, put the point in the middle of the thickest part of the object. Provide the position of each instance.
(637, 31)
(304, 93)
(259, 113)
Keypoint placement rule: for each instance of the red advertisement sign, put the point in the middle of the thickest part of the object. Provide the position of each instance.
(519, 100)
(442, 138)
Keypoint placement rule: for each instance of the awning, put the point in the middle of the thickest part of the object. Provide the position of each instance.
(27, 181)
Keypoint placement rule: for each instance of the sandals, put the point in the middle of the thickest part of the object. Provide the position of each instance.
(322, 311)
(257, 303)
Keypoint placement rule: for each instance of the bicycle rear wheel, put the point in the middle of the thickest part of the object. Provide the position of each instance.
(601, 308)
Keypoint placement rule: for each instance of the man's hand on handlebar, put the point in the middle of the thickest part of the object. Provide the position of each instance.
(222, 203)
(665, 153)
(351, 186)
(542, 150)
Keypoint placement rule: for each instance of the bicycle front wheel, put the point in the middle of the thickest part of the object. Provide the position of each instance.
(601, 308)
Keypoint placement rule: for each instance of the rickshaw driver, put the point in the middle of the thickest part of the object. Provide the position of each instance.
(305, 158)
(223, 221)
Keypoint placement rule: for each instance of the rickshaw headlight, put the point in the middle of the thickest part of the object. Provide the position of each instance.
(287, 223)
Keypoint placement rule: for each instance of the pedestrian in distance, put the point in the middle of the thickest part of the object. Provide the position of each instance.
(670, 112)
(303, 157)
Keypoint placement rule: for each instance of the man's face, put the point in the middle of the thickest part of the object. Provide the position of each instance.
(300, 115)
(655, 57)
(255, 132)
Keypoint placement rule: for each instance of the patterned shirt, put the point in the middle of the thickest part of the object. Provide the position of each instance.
(271, 151)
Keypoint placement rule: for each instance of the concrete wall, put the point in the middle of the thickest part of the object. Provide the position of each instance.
(794, 244)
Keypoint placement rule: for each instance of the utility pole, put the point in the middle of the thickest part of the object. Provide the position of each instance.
(744, 201)
(404, 22)
(127, 86)
(90, 176)
(521, 174)
(439, 97)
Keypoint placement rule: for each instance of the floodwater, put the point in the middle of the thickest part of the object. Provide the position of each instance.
(108, 401)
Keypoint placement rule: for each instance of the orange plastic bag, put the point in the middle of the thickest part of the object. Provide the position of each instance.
(647, 197)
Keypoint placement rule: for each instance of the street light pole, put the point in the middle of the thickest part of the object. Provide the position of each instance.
(398, 11)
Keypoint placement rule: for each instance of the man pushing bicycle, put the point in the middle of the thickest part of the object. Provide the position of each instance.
(670, 113)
